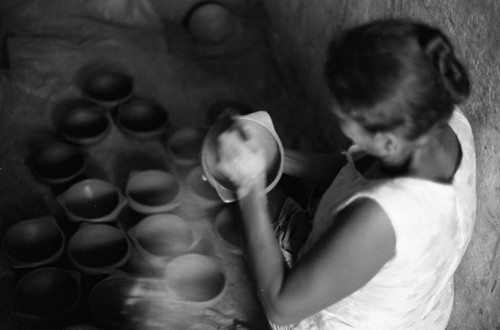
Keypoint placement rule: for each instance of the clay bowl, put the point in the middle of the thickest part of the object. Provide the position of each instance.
(98, 249)
(227, 229)
(142, 119)
(108, 87)
(196, 279)
(57, 163)
(184, 145)
(80, 327)
(108, 300)
(92, 200)
(84, 125)
(47, 293)
(203, 193)
(33, 243)
(161, 237)
(210, 22)
(153, 191)
(260, 126)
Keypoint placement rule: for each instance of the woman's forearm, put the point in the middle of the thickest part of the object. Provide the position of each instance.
(266, 261)
(319, 169)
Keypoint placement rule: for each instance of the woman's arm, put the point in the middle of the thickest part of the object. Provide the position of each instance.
(319, 169)
(344, 259)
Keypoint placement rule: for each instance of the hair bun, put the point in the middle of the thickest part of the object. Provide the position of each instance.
(439, 49)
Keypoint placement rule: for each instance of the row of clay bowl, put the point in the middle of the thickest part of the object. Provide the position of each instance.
(164, 240)
(99, 246)
(53, 293)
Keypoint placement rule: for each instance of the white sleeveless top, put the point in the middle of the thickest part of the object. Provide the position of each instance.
(433, 223)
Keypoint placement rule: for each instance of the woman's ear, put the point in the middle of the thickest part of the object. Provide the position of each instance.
(390, 144)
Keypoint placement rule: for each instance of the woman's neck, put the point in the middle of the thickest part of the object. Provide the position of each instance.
(436, 160)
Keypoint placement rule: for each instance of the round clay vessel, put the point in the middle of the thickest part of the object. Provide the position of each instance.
(142, 119)
(153, 191)
(92, 200)
(98, 249)
(33, 242)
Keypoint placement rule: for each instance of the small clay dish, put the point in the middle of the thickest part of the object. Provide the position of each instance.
(196, 279)
(210, 22)
(205, 195)
(161, 237)
(57, 163)
(33, 242)
(184, 145)
(108, 300)
(108, 88)
(227, 229)
(92, 200)
(98, 249)
(153, 191)
(142, 119)
(84, 125)
(47, 292)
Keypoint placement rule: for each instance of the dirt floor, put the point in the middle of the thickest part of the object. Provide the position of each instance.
(273, 64)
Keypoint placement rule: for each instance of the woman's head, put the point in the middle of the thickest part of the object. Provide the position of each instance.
(395, 76)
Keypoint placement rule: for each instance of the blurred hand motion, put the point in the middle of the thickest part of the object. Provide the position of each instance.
(241, 158)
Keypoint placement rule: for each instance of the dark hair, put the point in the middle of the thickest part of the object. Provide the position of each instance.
(395, 75)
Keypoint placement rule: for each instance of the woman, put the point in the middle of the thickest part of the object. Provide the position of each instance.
(392, 227)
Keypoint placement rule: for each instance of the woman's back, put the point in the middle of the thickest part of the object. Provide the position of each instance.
(433, 223)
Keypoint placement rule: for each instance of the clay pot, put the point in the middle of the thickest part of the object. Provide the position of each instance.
(142, 119)
(227, 228)
(184, 145)
(108, 87)
(153, 191)
(161, 237)
(108, 300)
(84, 125)
(57, 163)
(202, 192)
(92, 200)
(98, 249)
(33, 243)
(196, 279)
(47, 292)
(262, 128)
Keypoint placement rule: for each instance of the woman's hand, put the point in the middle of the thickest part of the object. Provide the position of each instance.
(241, 158)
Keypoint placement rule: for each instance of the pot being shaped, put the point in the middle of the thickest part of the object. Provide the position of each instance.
(261, 125)
(92, 200)
(33, 242)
